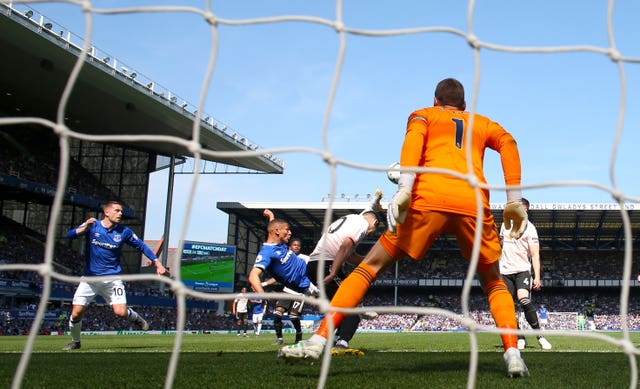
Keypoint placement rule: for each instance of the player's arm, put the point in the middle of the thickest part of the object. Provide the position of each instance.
(515, 218)
(82, 228)
(501, 234)
(254, 280)
(534, 251)
(139, 244)
(268, 214)
(269, 282)
(343, 253)
(409, 156)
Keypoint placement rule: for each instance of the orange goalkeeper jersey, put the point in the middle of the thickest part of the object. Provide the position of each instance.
(436, 137)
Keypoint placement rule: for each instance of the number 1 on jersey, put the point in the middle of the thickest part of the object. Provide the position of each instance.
(459, 131)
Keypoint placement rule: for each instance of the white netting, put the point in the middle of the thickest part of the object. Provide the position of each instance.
(343, 33)
(562, 321)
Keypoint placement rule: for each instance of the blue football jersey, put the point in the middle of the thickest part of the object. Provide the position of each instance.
(103, 248)
(283, 265)
(258, 306)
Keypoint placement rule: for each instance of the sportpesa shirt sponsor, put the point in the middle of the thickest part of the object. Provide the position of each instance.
(103, 248)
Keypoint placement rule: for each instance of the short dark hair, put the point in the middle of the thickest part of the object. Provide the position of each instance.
(276, 223)
(525, 202)
(110, 203)
(450, 92)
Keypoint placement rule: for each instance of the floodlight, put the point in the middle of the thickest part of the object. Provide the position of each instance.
(28, 14)
(174, 99)
(106, 59)
(184, 105)
(48, 26)
(133, 75)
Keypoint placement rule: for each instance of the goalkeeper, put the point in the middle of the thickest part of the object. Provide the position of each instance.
(429, 204)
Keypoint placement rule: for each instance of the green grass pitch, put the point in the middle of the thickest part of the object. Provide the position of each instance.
(391, 360)
(220, 270)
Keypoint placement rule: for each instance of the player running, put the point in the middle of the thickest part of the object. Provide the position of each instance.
(103, 248)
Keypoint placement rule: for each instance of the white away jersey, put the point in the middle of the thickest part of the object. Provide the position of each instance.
(242, 303)
(351, 226)
(516, 253)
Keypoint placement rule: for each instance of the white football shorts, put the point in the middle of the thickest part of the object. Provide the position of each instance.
(257, 317)
(112, 291)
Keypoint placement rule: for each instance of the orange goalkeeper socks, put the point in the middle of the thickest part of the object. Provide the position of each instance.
(502, 310)
(349, 295)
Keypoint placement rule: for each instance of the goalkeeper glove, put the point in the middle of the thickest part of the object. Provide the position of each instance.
(515, 219)
(400, 202)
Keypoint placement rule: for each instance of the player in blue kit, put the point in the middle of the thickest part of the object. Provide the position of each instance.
(103, 248)
(258, 308)
(280, 262)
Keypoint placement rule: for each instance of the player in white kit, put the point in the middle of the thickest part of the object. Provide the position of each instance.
(519, 258)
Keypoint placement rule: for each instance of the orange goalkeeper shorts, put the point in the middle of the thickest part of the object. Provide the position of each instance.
(421, 228)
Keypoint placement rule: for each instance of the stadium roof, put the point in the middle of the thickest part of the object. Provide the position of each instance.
(107, 99)
(561, 226)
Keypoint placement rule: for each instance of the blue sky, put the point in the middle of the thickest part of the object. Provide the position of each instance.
(271, 83)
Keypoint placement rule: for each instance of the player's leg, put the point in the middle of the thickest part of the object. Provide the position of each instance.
(500, 300)
(255, 322)
(115, 295)
(524, 282)
(503, 312)
(277, 321)
(510, 282)
(350, 294)
(346, 330)
(355, 286)
(83, 295)
(75, 326)
(295, 312)
(259, 326)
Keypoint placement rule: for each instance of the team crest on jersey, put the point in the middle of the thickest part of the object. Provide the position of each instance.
(117, 238)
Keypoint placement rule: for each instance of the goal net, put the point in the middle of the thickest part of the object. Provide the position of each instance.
(480, 51)
(562, 321)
